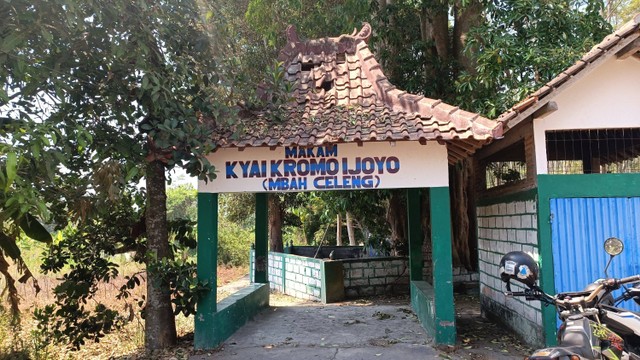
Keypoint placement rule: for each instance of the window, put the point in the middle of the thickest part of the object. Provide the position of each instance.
(506, 166)
(593, 151)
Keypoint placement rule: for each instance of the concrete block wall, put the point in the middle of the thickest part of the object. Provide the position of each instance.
(303, 278)
(293, 275)
(375, 276)
(462, 275)
(505, 227)
(274, 272)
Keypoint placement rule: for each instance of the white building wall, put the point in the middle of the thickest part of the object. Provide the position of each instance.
(608, 97)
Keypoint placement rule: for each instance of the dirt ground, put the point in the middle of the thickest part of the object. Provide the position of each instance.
(479, 338)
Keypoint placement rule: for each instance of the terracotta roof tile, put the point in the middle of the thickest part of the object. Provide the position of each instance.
(342, 95)
(606, 48)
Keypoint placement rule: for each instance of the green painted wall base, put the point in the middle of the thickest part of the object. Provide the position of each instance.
(423, 304)
(233, 312)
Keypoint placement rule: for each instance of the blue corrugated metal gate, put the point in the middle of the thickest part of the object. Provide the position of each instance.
(579, 227)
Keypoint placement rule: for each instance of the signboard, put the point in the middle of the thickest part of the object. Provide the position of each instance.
(372, 165)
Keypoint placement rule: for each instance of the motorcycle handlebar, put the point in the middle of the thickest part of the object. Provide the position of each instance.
(629, 279)
(608, 284)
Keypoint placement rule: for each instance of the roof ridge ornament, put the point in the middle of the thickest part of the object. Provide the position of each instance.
(292, 35)
(365, 32)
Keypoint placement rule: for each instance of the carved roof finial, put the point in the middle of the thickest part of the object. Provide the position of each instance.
(365, 32)
(292, 36)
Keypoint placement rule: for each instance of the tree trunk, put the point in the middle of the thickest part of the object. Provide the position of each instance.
(466, 17)
(352, 237)
(460, 186)
(338, 230)
(275, 223)
(160, 326)
(427, 244)
(397, 219)
(440, 21)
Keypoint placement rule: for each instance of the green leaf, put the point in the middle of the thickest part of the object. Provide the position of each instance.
(4, 98)
(132, 173)
(12, 168)
(33, 229)
(9, 246)
(10, 41)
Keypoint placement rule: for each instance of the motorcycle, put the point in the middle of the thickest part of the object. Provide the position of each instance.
(593, 326)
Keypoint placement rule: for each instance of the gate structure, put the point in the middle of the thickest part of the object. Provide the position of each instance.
(346, 128)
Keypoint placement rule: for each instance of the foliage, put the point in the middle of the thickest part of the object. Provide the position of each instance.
(618, 12)
(72, 325)
(94, 93)
(524, 45)
(180, 276)
(313, 18)
(406, 56)
(234, 243)
(238, 208)
(182, 203)
(84, 252)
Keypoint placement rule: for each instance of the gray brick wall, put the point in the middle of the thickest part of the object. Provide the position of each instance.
(462, 275)
(367, 277)
(502, 228)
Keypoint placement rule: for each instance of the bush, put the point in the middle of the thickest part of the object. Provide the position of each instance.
(234, 243)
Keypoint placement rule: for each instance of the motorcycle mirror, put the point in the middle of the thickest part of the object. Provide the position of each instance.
(613, 246)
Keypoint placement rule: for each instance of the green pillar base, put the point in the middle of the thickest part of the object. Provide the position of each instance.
(445, 320)
(207, 267)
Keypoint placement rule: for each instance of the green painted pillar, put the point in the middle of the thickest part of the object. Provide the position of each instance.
(416, 236)
(207, 268)
(262, 238)
(442, 265)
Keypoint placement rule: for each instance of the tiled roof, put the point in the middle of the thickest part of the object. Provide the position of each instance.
(340, 94)
(623, 41)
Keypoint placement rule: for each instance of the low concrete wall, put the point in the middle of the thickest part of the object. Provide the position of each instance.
(375, 276)
(423, 304)
(237, 309)
(333, 280)
(294, 275)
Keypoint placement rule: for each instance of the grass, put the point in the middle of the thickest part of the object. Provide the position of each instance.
(22, 341)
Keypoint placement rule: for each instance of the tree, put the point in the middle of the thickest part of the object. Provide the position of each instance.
(524, 45)
(182, 202)
(617, 12)
(483, 57)
(120, 88)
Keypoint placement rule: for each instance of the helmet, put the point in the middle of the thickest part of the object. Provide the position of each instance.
(519, 266)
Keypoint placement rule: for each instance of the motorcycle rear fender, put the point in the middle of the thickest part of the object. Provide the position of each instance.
(624, 322)
(552, 353)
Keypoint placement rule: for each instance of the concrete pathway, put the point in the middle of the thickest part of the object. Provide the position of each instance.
(296, 329)
(313, 331)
